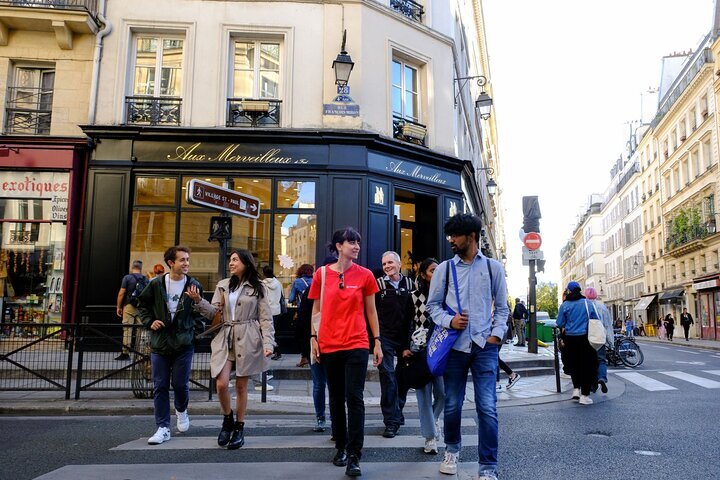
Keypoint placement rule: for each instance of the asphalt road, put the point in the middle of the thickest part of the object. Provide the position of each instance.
(669, 431)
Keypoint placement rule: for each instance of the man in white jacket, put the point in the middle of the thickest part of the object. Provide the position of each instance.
(604, 313)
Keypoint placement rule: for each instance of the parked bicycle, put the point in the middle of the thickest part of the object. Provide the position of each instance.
(625, 351)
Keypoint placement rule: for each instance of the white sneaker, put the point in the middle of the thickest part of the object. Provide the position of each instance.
(449, 463)
(162, 435)
(430, 446)
(183, 421)
(512, 380)
(576, 393)
(258, 387)
(585, 400)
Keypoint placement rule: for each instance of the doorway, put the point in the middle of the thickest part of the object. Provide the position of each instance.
(416, 235)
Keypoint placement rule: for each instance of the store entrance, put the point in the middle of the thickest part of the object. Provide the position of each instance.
(416, 226)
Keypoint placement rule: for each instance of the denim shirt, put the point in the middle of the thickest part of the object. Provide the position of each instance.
(476, 298)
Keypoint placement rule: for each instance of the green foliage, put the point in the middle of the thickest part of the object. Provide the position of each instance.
(547, 298)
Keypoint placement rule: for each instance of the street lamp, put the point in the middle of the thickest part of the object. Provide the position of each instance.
(343, 64)
(484, 102)
(491, 185)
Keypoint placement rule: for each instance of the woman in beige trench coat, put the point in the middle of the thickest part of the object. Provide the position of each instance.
(245, 340)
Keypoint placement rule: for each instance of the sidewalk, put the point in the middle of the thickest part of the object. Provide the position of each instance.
(679, 341)
(291, 394)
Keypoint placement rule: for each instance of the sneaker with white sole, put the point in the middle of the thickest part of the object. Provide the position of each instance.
(512, 380)
(162, 435)
(585, 400)
(449, 463)
(487, 476)
(183, 421)
(430, 446)
(258, 387)
(576, 393)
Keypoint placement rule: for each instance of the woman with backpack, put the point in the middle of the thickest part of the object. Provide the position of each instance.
(298, 296)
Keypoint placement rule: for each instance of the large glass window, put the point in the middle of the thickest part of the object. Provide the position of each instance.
(256, 69)
(158, 54)
(295, 241)
(155, 191)
(29, 101)
(405, 91)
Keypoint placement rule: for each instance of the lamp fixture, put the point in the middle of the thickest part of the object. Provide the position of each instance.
(484, 102)
(490, 184)
(343, 64)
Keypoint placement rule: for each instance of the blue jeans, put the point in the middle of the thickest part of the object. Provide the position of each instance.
(166, 370)
(391, 401)
(319, 379)
(602, 364)
(483, 364)
(431, 403)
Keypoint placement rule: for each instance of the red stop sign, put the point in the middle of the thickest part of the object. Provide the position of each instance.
(532, 241)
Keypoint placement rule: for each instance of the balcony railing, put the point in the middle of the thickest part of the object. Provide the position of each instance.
(89, 6)
(410, 9)
(153, 110)
(409, 131)
(694, 232)
(28, 111)
(253, 112)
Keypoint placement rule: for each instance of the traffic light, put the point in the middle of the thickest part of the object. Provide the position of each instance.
(531, 214)
(540, 265)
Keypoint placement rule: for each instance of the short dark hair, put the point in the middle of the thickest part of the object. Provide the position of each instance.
(347, 234)
(464, 224)
(305, 270)
(268, 271)
(171, 253)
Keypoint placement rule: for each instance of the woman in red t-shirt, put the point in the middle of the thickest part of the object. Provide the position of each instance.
(341, 344)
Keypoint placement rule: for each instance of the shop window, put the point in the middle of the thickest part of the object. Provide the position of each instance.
(156, 98)
(151, 234)
(255, 89)
(292, 194)
(155, 191)
(28, 108)
(295, 245)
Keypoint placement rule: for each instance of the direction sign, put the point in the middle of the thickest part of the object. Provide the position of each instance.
(209, 195)
(532, 240)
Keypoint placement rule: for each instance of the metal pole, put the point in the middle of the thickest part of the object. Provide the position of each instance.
(532, 341)
(557, 359)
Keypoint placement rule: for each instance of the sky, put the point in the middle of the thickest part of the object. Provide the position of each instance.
(567, 77)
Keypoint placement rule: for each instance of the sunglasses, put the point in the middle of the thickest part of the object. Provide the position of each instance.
(342, 280)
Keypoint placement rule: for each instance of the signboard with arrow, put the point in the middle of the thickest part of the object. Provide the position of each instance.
(210, 195)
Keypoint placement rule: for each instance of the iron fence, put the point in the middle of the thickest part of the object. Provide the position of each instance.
(143, 110)
(410, 9)
(253, 112)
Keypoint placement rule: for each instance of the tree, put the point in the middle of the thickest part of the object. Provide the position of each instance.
(547, 298)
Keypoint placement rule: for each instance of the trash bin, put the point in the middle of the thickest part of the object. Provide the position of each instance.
(545, 332)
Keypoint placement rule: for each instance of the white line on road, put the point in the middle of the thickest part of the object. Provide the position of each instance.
(306, 422)
(703, 382)
(688, 351)
(647, 383)
(712, 372)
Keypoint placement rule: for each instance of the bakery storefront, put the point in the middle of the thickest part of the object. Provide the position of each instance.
(308, 185)
(38, 183)
(708, 307)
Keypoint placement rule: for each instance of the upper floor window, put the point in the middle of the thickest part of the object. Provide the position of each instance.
(156, 92)
(29, 100)
(405, 94)
(255, 84)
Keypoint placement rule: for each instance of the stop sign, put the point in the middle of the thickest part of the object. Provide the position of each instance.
(532, 241)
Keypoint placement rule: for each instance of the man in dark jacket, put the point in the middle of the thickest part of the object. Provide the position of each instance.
(393, 303)
(173, 320)
(520, 314)
(686, 320)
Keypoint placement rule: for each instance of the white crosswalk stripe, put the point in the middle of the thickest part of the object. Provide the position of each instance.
(712, 372)
(647, 382)
(644, 381)
(703, 382)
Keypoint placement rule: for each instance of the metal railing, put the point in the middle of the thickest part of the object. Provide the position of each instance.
(83, 357)
(28, 110)
(142, 110)
(86, 5)
(694, 232)
(409, 131)
(253, 112)
(410, 9)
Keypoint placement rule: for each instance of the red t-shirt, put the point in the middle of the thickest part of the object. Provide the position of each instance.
(342, 324)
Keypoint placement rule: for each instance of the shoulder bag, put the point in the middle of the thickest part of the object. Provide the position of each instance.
(442, 339)
(596, 330)
(217, 320)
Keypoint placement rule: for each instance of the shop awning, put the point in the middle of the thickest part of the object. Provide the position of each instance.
(671, 296)
(644, 302)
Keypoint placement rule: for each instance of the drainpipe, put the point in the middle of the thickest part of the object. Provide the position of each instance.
(96, 61)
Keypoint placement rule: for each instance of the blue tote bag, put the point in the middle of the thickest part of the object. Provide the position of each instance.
(442, 339)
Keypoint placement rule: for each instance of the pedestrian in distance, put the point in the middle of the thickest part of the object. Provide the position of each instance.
(430, 398)
(347, 295)
(669, 326)
(640, 327)
(168, 308)
(662, 333)
(513, 377)
(156, 271)
(274, 290)
(243, 343)
(519, 315)
(573, 317)
(629, 327)
(686, 320)
(604, 314)
(298, 294)
(127, 302)
(394, 308)
(480, 283)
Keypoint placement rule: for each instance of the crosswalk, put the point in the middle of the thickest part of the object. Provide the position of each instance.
(653, 381)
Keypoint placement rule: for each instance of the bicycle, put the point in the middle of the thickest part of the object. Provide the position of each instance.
(625, 351)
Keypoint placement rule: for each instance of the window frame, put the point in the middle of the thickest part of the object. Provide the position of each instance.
(404, 63)
(258, 40)
(160, 37)
(43, 68)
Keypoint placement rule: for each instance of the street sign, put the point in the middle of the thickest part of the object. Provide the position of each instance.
(528, 255)
(532, 240)
(209, 195)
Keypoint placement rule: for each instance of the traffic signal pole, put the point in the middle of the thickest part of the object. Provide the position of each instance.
(532, 318)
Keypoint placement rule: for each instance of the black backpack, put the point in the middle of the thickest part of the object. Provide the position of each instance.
(141, 282)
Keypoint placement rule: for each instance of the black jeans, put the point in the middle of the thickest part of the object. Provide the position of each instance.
(686, 327)
(346, 372)
(392, 398)
(582, 361)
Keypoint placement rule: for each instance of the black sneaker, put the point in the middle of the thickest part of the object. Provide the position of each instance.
(340, 459)
(603, 386)
(123, 356)
(276, 356)
(390, 431)
(353, 466)
(320, 426)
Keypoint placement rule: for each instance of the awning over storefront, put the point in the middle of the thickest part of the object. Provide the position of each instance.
(644, 302)
(671, 296)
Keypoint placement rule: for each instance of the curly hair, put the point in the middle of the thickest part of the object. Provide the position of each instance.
(305, 270)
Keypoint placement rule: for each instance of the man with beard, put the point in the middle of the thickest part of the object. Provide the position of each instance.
(481, 317)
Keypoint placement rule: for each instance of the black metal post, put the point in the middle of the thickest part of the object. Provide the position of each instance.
(557, 359)
(532, 341)
(72, 331)
(79, 329)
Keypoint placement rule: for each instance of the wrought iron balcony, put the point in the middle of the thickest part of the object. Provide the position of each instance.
(89, 6)
(409, 131)
(28, 111)
(153, 110)
(253, 112)
(410, 9)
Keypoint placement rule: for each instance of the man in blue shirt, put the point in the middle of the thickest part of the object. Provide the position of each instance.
(482, 319)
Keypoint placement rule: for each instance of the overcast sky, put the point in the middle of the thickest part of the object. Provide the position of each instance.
(567, 77)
